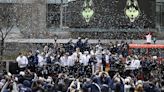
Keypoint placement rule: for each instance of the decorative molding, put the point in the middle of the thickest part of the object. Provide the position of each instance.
(32, 1)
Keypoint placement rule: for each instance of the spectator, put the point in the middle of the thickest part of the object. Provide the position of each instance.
(86, 46)
(85, 58)
(77, 55)
(25, 87)
(82, 71)
(31, 63)
(64, 60)
(148, 38)
(94, 86)
(41, 59)
(70, 47)
(79, 43)
(22, 62)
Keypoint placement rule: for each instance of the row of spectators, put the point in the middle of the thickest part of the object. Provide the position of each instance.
(83, 67)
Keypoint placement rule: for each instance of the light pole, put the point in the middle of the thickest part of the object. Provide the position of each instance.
(61, 15)
(62, 6)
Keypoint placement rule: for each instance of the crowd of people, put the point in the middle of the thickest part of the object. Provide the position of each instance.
(116, 34)
(85, 67)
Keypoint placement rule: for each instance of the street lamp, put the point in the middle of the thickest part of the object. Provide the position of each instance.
(61, 14)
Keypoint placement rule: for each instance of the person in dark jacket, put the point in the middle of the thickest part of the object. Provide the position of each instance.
(103, 61)
(79, 43)
(150, 87)
(25, 87)
(86, 45)
(104, 81)
(94, 87)
(31, 63)
(70, 47)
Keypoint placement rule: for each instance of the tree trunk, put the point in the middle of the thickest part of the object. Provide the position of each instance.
(2, 49)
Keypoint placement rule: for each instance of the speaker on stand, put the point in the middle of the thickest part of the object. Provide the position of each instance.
(13, 67)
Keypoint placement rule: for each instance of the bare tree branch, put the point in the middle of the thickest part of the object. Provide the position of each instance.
(7, 22)
(1, 33)
(8, 31)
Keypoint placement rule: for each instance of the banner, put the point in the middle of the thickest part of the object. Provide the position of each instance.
(107, 14)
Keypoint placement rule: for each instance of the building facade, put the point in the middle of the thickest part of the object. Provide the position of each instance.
(43, 15)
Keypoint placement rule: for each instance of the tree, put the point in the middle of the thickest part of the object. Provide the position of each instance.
(7, 22)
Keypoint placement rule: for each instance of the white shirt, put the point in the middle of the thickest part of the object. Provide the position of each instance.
(74, 56)
(99, 56)
(148, 38)
(107, 58)
(64, 61)
(92, 52)
(41, 60)
(127, 88)
(135, 64)
(85, 59)
(71, 61)
(22, 61)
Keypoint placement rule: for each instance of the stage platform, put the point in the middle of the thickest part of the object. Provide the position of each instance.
(74, 40)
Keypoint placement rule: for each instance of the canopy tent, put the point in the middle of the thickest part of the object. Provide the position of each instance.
(148, 46)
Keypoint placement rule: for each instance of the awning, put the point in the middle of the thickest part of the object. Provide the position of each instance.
(146, 46)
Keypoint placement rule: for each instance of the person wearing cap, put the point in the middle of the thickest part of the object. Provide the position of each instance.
(139, 86)
(22, 62)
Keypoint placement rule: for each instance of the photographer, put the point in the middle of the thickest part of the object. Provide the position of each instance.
(9, 83)
(104, 81)
(117, 83)
(93, 86)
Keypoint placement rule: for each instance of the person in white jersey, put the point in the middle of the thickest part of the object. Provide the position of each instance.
(148, 38)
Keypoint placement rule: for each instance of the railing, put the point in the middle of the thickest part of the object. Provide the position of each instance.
(74, 40)
(100, 30)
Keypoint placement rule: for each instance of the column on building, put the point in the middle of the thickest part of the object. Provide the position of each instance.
(39, 17)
